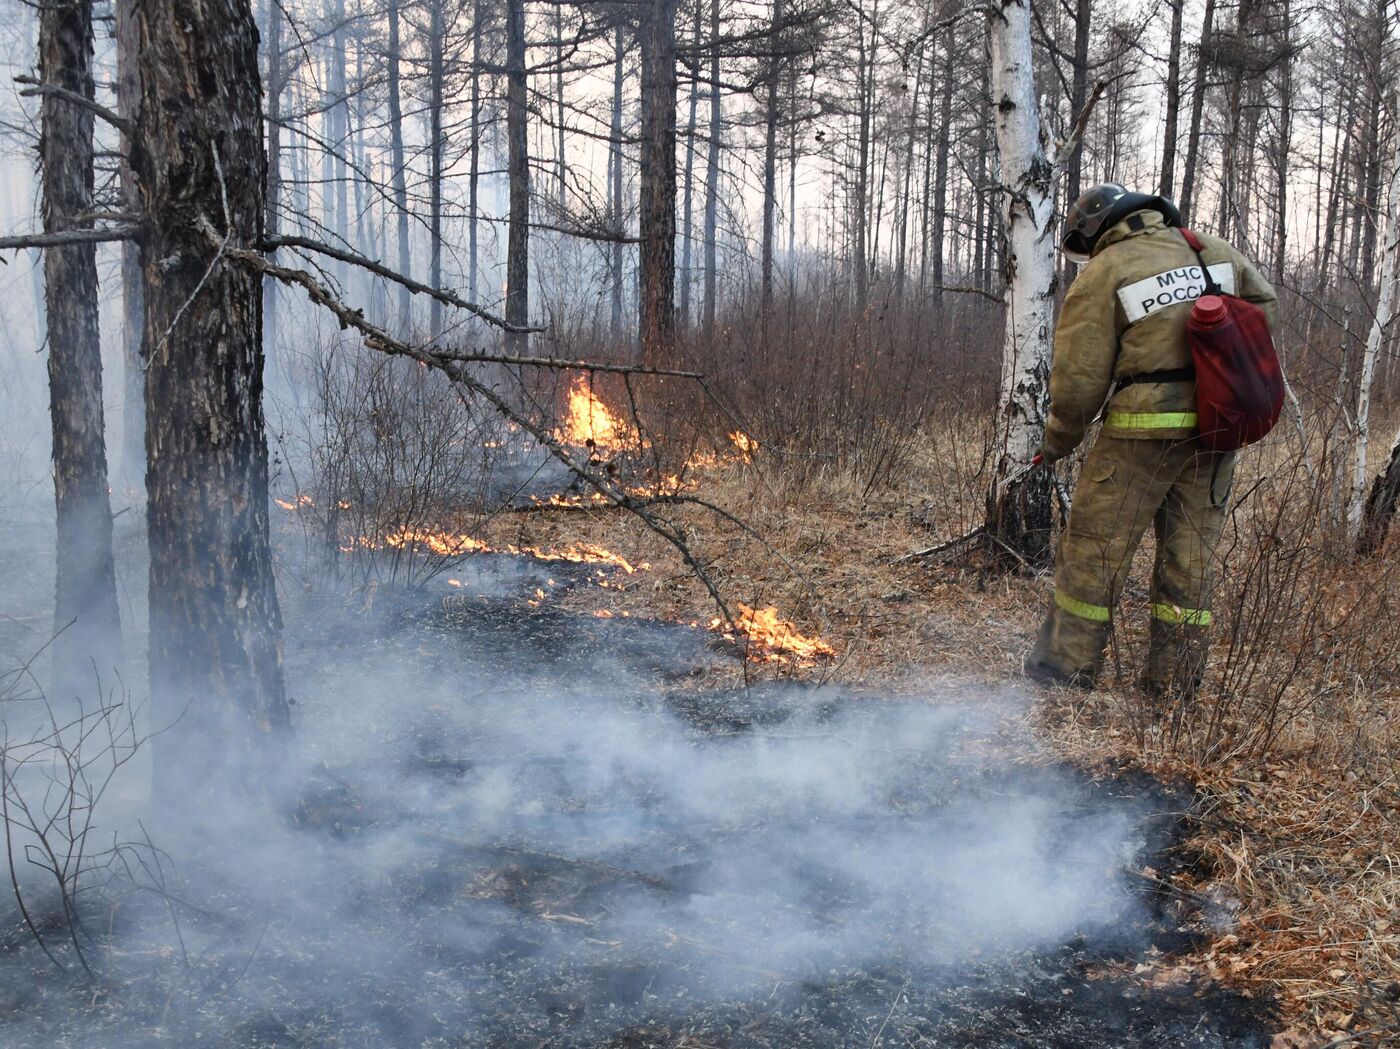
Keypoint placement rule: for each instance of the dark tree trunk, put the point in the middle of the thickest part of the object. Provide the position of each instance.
(215, 649)
(1172, 103)
(710, 292)
(436, 100)
(133, 452)
(1198, 103)
(615, 156)
(518, 163)
(940, 174)
(474, 174)
(657, 203)
(274, 161)
(688, 190)
(87, 648)
(770, 159)
(396, 158)
(1079, 93)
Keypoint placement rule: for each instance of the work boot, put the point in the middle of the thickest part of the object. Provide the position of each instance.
(1176, 663)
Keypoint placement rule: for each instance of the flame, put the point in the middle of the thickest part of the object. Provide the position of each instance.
(590, 423)
(452, 544)
(748, 446)
(302, 502)
(773, 639)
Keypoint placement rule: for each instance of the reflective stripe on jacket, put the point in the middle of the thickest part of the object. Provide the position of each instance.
(1125, 315)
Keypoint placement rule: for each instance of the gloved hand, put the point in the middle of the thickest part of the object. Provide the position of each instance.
(1045, 457)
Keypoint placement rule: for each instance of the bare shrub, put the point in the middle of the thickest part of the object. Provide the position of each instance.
(54, 776)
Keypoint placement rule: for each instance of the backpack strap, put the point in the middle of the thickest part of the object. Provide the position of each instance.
(1194, 243)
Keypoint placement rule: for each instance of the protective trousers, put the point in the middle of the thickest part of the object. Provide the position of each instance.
(1182, 490)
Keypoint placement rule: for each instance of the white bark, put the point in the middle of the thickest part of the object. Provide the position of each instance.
(1385, 310)
(1027, 201)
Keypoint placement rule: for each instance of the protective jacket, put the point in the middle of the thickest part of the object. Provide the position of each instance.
(1123, 325)
(1125, 317)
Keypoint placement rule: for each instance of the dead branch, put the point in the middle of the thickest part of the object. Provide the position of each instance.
(380, 270)
(38, 87)
(1081, 124)
(556, 362)
(377, 339)
(942, 548)
(68, 236)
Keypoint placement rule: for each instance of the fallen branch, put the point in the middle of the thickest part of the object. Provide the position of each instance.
(941, 548)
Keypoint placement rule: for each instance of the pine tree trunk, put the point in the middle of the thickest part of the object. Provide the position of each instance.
(396, 158)
(436, 100)
(940, 175)
(1018, 506)
(688, 192)
(215, 648)
(133, 452)
(1079, 92)
(518, 164)
(1172, 103)
(657, 215)
(615, 157)
(274, 161)
(709, 304)
(474, 175)
(87, 648)
(1198, 103)
(770, 160)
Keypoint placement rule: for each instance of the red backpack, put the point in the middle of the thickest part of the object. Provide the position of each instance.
(1239, 381)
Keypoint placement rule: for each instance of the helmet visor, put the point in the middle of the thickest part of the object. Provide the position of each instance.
(1088, 217)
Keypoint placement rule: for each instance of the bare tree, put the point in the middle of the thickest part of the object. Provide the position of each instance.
(1019, 504)
(657, 227)
(215, 648)
(85, 603)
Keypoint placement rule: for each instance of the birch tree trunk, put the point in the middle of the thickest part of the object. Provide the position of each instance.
(518, 164)
(1019, 504)
(133, 451)
(87, 647)
(1357, 523)
(215, 648)
(657, 214)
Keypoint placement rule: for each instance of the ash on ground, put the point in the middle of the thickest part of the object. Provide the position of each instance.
(509, 828)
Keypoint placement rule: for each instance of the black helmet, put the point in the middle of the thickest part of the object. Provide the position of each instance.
(1101, 208)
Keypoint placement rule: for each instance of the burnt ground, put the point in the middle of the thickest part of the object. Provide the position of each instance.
(515, 826)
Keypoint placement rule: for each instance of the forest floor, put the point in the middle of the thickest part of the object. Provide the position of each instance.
(1301, 844)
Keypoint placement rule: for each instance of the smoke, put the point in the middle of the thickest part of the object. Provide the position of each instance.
(488, 833)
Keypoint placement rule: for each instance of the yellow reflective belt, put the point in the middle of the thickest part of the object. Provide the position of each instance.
(1150, 421)
(1176, 614)
(1082, 609)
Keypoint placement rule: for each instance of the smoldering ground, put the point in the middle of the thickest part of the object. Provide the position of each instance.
(500, 829)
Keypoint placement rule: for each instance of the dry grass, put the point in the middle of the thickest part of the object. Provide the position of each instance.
(1300, 828)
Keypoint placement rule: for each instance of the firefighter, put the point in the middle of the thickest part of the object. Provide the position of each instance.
(1121, 348)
